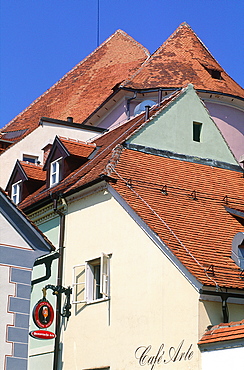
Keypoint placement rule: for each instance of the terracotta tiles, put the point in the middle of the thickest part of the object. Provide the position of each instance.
(94, 167)
(78, 148)
(86, 86)
(183, 59)
(182, 202)
(33, 171)
(223, 332)
(191, 219)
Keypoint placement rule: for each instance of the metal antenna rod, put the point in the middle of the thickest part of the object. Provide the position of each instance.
(98, 16)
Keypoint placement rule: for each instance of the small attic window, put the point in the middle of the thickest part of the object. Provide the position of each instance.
(197, 128)
(214, 73)
(30, 158)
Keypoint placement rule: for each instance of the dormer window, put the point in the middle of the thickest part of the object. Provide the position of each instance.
(55, 168)
(15, 192)
(213, 71)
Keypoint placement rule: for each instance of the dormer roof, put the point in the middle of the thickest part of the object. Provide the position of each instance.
(33, 171)
(25, 171)
(66, 147)
(183, 59)
(77, 148)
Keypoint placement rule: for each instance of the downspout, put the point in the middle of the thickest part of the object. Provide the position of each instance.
(224, 296)
(59, 279)
(128, 104)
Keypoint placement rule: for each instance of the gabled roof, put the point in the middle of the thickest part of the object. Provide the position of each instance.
(33, 171)
(26, 171)
(183, 59)
(86, 86)
(223, 332)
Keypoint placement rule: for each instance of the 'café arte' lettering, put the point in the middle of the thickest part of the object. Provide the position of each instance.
(174, 354)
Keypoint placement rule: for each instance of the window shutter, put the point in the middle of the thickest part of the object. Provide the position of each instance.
(89, 282)
(104, 282)
(79, 284)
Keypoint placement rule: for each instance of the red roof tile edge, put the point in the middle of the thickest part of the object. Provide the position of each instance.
(223, 332)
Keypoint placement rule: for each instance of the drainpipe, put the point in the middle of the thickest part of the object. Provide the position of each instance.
(128, 104)
(224, 296)
(59, 279)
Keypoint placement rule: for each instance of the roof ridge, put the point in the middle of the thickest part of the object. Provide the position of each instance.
(26, 163)
(73, 69)
(165, 43)
(75, 141)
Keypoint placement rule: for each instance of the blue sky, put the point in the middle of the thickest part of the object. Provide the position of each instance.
(41, 40)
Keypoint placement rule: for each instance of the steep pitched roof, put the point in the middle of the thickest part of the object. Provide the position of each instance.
(223, 332)
(183, 59)
(183, 203)
(86, 86)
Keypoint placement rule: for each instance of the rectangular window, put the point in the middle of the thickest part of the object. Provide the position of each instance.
(55, 172)
(15, 192)
(30, 158)
(197, 128)
(91, 280)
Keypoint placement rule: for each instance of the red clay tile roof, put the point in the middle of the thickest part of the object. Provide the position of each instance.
(198, 231)
(95, 166)
(223, 332)
(191, 219)
(183, 59)
(86, 86)
(33, 171)
(77, 148)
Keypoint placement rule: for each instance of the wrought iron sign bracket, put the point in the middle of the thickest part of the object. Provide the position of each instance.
(58, 290)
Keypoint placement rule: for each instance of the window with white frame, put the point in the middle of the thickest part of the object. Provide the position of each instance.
(55, 168)
(15, 192)
(91, 280)
(30, 158)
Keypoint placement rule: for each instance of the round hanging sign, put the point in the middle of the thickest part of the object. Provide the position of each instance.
(43, 314)
(42, 334)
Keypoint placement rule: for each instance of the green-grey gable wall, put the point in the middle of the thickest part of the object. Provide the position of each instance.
(172, 130)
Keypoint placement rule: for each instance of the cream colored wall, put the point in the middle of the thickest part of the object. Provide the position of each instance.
(210, 313)
(151, 302)
(33, 144)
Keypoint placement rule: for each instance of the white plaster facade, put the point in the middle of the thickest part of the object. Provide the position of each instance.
(34, 143)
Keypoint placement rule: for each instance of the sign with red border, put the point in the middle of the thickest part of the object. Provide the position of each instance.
(43, 314)
(42, 334)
